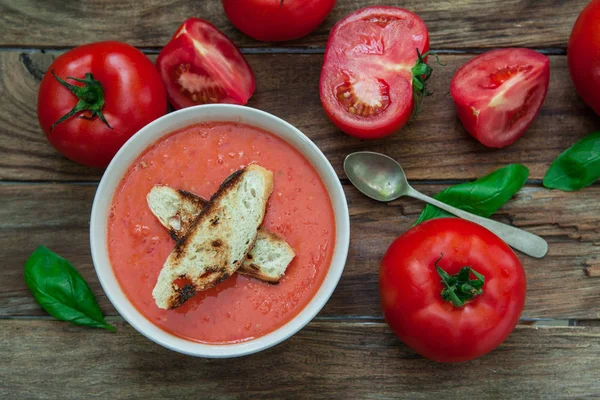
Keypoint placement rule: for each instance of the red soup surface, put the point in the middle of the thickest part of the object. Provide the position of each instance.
(197, 159)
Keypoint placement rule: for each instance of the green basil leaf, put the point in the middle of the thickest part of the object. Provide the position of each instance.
(61, 290)
(577, 167)
(483, 196)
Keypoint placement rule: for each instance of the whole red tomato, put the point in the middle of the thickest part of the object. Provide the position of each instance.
(583, 54)
(277, 20)
(200, 65)
(373, 70)
(95, 97)
(473, 311)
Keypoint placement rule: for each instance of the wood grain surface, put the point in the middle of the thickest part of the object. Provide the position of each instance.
(57, 216)
(434, 146)
(347, 351)
(324, 361)
(458, 24)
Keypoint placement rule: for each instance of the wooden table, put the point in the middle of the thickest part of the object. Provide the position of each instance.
(348, 350)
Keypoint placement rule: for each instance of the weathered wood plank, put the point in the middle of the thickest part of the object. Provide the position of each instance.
(460, 24)
(558, 287)
(324, 360)
(592, 322)
(435, 146)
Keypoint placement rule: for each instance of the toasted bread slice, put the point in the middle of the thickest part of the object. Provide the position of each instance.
(218, 240)
(269, 258)
(177, 209)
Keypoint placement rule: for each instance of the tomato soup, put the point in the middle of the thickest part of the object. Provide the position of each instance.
(197, 159)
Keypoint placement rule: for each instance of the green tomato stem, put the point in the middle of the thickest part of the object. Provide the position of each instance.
(421, 73)
(90, 95)
(460, 289)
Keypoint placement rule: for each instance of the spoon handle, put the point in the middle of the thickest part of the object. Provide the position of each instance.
(519, 239)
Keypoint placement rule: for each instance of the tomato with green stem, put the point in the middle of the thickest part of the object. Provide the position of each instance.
(95, 97)
(451, 290)
(374, 72)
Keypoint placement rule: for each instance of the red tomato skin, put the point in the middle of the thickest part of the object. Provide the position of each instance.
(464, 105)
(410, 288)
(272, 21)
(583, 55)
(393, 119)
(133, 93)
(181, 49)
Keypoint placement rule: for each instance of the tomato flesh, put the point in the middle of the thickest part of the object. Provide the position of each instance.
(195, 85)
(274, 20)
(583, 54)
(366, 79)
(499, 93)
(365, 97)
(200, 65)
(134, 96)
(410, 290)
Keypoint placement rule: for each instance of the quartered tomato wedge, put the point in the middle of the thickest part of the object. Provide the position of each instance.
(499, 93)
(367, 76)
(200, 65)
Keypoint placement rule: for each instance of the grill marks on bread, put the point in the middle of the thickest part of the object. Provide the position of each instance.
(176, 210)
(238, 209)
(276, 254)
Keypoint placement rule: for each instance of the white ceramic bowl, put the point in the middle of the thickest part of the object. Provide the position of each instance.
(165, 125)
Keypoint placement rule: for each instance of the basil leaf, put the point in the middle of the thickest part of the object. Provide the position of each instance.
(483, 196)
(577, 167)
(61, 290)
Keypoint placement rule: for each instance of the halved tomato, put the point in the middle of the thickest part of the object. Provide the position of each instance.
(201, 65)
(367, 76)
(499, 93)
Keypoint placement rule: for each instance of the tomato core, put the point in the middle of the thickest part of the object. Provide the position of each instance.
(365, 97)
(505, 74)
(197, 87)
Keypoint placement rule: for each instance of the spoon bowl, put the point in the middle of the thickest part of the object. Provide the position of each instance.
(376, 175)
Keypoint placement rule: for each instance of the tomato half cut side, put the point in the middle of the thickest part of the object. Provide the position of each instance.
(366, 80)
(499, 93)
(200, 65)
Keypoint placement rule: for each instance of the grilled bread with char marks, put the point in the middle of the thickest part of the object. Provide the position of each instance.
(177, 209)
(218, 240)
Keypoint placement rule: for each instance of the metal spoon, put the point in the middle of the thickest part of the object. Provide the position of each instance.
(381, 178)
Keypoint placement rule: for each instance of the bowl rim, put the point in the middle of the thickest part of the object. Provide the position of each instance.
(164, 126)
